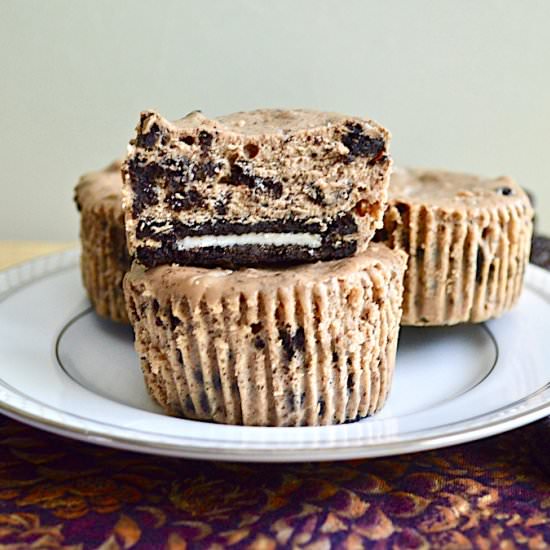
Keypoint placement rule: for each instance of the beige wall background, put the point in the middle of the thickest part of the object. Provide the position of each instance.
(463, 85)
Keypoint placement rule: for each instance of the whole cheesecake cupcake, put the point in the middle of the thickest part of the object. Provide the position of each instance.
(104, 259)
(311, 344)
(468, 241)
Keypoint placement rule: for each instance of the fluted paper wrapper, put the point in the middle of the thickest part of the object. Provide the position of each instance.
(104, 259)
(464, 266)
(287, 348)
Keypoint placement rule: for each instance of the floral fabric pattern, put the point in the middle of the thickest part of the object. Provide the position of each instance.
(59, 493)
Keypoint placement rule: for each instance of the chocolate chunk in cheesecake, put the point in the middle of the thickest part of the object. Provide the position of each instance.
(254, 188)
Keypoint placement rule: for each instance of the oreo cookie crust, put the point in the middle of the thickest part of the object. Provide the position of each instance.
(254, 188)
(468, 240)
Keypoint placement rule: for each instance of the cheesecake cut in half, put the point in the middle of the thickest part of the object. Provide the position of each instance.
(254, 188)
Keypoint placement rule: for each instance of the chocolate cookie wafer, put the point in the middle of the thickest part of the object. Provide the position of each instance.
(254, 188)
(308, 345)
(468, 240)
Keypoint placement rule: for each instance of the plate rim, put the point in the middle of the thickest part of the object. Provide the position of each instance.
(537, 278)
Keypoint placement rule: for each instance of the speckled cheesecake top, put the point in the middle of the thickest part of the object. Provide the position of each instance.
(263, 122)
(102, 188)
(198, 283)
(452, 190)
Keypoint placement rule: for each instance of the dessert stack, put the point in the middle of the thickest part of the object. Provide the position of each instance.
(265, 260)
(255, 294)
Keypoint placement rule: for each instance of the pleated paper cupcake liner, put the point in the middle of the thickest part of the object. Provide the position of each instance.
(463, 267)
(281, 351)
(104, 261)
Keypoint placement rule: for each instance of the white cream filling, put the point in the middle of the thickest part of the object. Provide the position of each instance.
(268, 239)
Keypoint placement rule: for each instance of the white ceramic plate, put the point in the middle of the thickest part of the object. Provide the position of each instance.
(65, 370)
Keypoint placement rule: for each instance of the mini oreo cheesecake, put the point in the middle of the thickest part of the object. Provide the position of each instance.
(304, 345)
(468, 241)
(104, 259)
(254, 188)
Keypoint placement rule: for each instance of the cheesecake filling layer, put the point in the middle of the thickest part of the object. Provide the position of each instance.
(308, 240)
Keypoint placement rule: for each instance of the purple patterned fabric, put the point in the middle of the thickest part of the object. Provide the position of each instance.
(59, 493)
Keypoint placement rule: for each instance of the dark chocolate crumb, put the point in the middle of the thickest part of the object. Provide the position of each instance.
(144, 195)
(355, 419)
(216, 380)
(259, 343)
(381, 236)
(222, 203)
(382, 159)
(198, 375)
(174, 321)
(143, 177)
(251, 150)
(220, 207)
(401, 207)
(190, 140)
(335, 357)
(361, 145)
(256, 327)
(350, 382)
(179, 356)
(315, 194)
(241, 174)
(148, 140)
(479, 265)
(176, 173)
(303, 398)
(343, 225)
(321, 403)
(205, 139)
(205, 405)
(292, 343)
(299, 340)
(155, 306)
(206, 170)
(286, 342)
(188, 404)
(185, 200)
(290, 401)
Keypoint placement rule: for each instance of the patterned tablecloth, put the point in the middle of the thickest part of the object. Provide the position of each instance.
(59, 493)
